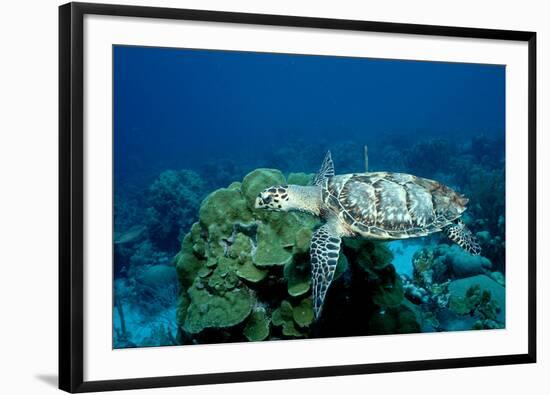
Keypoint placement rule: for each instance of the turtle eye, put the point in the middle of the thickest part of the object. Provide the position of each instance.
(267, 199)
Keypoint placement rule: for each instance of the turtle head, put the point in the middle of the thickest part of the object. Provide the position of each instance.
(290, 198)
(275, 198)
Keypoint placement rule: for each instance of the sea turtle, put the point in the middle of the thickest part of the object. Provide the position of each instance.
(373, 205)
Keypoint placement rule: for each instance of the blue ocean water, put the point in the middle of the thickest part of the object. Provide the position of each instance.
(187, 122)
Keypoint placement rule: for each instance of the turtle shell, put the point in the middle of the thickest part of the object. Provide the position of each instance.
(386, 205)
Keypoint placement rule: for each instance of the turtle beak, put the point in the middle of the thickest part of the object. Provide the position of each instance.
(259, 203)
(262, 201)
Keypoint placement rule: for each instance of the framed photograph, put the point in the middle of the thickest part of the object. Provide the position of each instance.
(251, 197)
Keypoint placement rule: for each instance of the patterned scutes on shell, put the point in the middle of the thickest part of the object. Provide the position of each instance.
(392, 205)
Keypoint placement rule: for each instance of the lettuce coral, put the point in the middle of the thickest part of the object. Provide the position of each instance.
(284, 318)
(216, 309)
(257, 326)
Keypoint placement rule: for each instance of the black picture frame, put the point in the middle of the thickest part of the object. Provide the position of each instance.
(71, 173)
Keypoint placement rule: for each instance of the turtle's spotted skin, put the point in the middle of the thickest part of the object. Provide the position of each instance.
(390, 206)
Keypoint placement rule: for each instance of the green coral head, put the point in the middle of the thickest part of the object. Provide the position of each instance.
(275, 198)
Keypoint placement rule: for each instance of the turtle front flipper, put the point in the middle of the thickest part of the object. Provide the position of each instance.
(326, 170)
(462, 236)
(324, 252)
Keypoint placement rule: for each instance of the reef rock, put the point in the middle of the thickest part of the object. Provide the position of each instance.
(464, 264)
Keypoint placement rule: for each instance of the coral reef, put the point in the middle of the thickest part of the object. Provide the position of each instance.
(145, 299)
(257, 327)
(174, 198)
(478, 295)
(217, 171)
(125, 245)
(438, 150)
(486, 190)
(455, 290)
(245, 274)
(288, 318)
(290, 153)
(400, 319)
(436, 264)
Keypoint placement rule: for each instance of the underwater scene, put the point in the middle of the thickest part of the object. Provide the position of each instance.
(262, 196)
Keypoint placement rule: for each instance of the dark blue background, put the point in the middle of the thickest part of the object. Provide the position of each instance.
(175, 107)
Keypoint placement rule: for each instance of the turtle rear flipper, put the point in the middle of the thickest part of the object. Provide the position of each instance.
(462, 236)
